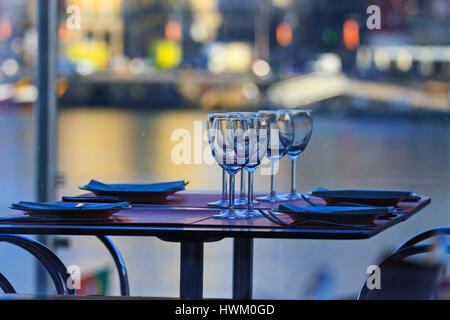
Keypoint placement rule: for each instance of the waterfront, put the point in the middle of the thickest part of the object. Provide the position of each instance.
(135, 146)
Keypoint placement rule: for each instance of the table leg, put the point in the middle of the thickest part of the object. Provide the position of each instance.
(242, 268)
(191, 270)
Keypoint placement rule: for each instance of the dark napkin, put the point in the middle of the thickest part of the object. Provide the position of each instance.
(95, 185)
(98, 199)
(336, 214)
(365, 194)
(319, 211)
(72, 206)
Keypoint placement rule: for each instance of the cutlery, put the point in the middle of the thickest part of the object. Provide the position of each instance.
(306, 198)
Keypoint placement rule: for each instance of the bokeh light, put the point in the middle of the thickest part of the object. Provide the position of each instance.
(10, 67)
(404, 60)
(350, 34)
(284, 34)
(166, 54)
(261, 68)
(173, 31)
(5, 29)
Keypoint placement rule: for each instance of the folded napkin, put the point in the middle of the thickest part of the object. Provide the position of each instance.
(335, 210)
(366, 194)
(97, 199)
(64, 206)
(152, 187)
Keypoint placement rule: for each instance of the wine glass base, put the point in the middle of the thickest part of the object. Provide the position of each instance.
(240, 202)
(273, 198)
(231, 215)
(219, 204)
(251, 213)
(293, 196)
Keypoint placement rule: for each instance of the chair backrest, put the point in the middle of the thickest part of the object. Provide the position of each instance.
(49, 260)
(423, 236)
(120, 264)
(407, 280)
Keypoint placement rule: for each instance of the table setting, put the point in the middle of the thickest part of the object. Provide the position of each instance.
(239, 141)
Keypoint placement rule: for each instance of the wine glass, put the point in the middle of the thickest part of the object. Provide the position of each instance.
(258, 143)
(223, 202)
(230, 148)
(242, 200)
(281, 136)
(303, 124)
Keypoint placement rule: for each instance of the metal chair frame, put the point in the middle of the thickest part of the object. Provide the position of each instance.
(46, 257)
(5, 285)
(411, 248)
(120, 265)
(423, 236)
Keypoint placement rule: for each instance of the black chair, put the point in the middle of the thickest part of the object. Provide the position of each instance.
(401, 279)
(5, 285)
(423, 236)
(46, 257)
(56, 268)
(120, 265)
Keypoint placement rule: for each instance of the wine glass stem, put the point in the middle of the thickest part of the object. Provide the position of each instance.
(250, 191)
(273, 179)
(242, 194)
(293, 175)
(224, 185)
(231, 194)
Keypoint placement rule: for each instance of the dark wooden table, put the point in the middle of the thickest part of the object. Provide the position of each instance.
(186, 219)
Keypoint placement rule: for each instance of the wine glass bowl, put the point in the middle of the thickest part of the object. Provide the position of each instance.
(223, 202)
(281, 137)
(302, 120)
(258, 143)
(231, 148)
(282, 133)
(303, 124)
(241, 200)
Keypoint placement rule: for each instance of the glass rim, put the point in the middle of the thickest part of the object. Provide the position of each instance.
(243, 112)
(268, 110)
(240, 118)
(216, 113)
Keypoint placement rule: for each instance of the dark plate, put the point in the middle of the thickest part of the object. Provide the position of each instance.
(369, 201)
(354, 218)
(345, 215)
(369, 197)
(136, 196)
(80, 212)
(85, 199)
(133, 196)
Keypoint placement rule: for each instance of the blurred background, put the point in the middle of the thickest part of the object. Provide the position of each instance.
(131, 72)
